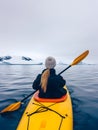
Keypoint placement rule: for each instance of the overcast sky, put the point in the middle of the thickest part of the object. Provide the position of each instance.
(40, 28)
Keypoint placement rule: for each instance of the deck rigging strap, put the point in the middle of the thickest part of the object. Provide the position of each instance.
(43, 108)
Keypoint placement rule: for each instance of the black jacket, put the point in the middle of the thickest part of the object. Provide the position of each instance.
(54, 88)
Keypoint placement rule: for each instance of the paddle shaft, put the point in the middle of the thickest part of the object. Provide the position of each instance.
(28, 96)
(64, 69)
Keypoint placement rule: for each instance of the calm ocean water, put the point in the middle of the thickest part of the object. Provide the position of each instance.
(81, 80)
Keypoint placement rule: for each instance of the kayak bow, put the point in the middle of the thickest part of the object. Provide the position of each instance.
(48, 114)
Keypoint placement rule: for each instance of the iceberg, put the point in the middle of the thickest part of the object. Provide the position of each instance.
(18, 60)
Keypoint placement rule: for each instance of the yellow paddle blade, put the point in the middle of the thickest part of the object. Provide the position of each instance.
(11, 107)
(80, 58)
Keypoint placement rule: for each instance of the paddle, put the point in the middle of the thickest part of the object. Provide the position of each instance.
(76, 60)
(17, 105)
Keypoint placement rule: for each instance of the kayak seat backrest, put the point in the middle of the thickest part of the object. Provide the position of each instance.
(37, 98)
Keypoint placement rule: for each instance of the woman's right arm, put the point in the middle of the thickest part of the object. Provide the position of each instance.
(61, 81)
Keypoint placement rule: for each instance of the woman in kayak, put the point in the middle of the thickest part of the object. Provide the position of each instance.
(48, 83)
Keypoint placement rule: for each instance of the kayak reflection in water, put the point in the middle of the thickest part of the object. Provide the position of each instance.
(48, 83)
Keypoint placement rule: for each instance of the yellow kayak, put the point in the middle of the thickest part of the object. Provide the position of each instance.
(48, 114)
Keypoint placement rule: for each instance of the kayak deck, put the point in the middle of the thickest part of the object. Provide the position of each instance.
(47, 115)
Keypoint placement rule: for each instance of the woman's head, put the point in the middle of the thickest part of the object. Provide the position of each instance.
(50, 62)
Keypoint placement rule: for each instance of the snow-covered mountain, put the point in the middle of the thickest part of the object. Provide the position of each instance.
(80, 63)
(18, 60)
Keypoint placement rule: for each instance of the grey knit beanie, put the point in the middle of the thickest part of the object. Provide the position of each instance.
(50, 62)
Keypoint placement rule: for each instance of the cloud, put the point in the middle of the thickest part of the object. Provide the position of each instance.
(59, 28)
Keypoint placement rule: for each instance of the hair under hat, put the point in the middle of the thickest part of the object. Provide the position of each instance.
(50, 62)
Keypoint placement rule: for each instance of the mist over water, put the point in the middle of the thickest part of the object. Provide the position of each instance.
(82, 83)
